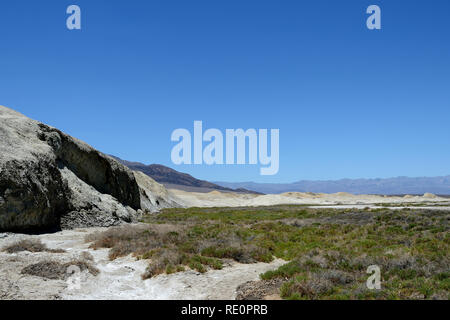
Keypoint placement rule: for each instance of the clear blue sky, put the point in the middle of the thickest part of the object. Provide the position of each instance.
(349, 102)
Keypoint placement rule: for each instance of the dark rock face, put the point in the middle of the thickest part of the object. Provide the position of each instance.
(96, 169)
(32, 195)
(47, 177)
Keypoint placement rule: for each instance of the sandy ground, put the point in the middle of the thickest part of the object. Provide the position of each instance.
(221, 199)
(118, 279)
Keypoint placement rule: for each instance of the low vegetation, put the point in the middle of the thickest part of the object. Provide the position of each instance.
(328, 250)
(33, 245)
(58, 271)
(414, 204)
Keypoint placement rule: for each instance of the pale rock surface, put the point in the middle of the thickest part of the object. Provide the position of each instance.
(154, 196)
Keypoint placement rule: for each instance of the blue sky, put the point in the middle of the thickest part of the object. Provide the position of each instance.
(349, 102)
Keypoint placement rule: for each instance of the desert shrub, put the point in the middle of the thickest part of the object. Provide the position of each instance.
(336, 276)
(32, 245)
(307, 289)
(240, 254)
(163, 261)
(285, 271)
(57, 271)
(170, 261)
(258, 290)
(136, 240)
(207, 261)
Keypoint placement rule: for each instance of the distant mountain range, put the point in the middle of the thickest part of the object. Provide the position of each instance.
(175, 179)
(390, 186)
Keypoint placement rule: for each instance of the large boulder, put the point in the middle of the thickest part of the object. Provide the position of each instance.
(50, 180)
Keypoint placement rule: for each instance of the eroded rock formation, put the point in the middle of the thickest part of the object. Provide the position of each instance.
(50, 180)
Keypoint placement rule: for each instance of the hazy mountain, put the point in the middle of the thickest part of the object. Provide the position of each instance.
(175, 179)
(398, 185)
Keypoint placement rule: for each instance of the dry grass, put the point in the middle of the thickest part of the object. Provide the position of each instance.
(172, 247)
(135, 239)
(58, 271)
(259, 290)
(34, 245)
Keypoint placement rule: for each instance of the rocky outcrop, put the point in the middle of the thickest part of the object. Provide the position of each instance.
(154, 196)
(90, 208)
(50, 180)
(93, 167)
(32, 193)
